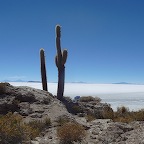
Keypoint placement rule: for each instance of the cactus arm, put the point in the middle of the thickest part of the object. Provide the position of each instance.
(64, 56)
(43, 70)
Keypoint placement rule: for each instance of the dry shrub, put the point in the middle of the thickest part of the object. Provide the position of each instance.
(62, 120)
(108, 113)
(90, 117)
(123, 115)
(90, 99)
(14, 131)
(71, 132)
(126, 119)
(40, 125)
(76, 109)
(36, 124)
(122, 111)
(139, 115)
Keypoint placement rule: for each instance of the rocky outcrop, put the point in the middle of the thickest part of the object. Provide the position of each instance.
(108, 132)
(30, 103)
(20, 99)
(95, 108)
(102, 131)
(38, 104)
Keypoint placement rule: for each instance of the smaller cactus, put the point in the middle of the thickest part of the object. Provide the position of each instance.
(43, 70)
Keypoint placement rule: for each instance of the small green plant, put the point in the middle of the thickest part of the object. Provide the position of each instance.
(47, 122)
(71, 132)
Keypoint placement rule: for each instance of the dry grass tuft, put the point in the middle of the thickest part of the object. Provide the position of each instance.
(71, 132)
(124, 115)
(90, 99)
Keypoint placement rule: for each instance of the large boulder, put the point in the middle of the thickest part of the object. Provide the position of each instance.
(18, 99)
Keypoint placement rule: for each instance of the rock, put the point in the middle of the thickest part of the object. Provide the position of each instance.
(21, 98)
(8, 104)
(125, 127)
(25, 109)
(36, 115)
(34, 142)
(26, 97)
(96, 109)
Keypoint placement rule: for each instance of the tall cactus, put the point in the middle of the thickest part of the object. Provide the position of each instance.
(43, 70)
(60, 61)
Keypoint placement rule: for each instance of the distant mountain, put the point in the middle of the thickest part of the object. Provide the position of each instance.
(122, 83)
(34, 81)
(19, 80)
(78, 82)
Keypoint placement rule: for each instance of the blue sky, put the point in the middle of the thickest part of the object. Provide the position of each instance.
(104, 38)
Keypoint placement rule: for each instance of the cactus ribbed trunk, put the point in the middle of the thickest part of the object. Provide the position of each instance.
(61, 80)
(60, 61)
(43, 70)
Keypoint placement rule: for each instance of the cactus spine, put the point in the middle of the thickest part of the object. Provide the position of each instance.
(60, 61)
(43, 70)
